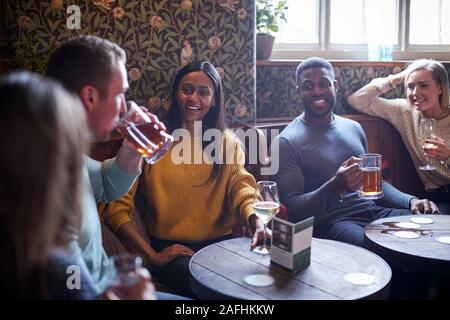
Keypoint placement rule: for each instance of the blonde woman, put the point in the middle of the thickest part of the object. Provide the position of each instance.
(427, 96)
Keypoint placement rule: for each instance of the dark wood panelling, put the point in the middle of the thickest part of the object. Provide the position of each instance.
(3, 37)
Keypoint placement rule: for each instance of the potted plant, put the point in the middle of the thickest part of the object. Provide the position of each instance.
(268, 13)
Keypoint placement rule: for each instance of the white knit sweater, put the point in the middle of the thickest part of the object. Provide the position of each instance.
(406, 120)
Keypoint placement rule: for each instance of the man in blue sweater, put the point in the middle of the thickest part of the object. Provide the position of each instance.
(319, 165)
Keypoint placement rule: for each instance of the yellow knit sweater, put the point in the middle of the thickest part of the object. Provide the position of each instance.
(181, 206)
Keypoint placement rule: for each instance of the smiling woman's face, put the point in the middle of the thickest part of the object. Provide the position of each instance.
(195, 96)
(422, 91)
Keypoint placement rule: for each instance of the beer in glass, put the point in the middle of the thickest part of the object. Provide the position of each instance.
(370, 167)
(149, 140)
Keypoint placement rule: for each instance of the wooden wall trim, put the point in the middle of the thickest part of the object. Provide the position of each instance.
(4, 59)
(346, 63)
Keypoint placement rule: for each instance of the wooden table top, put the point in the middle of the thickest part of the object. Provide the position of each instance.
(217, 272)
(424, 252)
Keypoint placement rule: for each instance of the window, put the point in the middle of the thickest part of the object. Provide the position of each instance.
(370, 20)
(337, 29)
(303, 24)
(430, 22)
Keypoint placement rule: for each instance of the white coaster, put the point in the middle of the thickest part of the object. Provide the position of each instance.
(405, 234)
(444, 239)
(407, 225)
(421, 220)
(359, 279)
(258, 280)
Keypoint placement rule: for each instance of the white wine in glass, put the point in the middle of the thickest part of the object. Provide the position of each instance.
(427, 131)
(266, 208)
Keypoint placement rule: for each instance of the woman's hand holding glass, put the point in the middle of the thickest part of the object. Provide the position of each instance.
(259, 233)
(266, 206)
(440, 150)
(427, 133)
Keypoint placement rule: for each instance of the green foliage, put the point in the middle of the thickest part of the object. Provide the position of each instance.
(27, 58)
(159, 36)
(268, 13)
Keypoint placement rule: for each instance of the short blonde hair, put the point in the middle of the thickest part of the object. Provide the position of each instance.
(438, 73)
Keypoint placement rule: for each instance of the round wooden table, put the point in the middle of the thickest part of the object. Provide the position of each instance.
(424, 253)
(217, 272)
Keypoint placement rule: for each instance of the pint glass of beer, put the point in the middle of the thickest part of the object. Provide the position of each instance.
(370, 166)
(149, 140)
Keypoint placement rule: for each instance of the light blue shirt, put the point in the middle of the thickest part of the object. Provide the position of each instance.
(102, 182)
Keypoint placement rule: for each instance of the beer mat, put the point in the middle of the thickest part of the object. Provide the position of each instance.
(258, 280)
(421, 220)
(359, 279)
(405, 234)
(444, 239)
(407, 225)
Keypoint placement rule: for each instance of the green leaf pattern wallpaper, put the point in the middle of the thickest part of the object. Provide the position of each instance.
(161, 36)
(158, 36)
(276, 94)
(283, 91)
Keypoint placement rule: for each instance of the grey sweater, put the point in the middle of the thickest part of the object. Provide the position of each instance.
(309, 157)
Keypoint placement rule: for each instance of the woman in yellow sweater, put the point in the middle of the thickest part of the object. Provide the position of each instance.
(196, 193)
(427, 96)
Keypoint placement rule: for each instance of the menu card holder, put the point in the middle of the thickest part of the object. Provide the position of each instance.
(291, 243)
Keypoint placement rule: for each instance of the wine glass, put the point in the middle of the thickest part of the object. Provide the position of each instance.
(427, 131)
(266, 207)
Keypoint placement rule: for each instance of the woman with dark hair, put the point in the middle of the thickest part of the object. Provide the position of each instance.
(427, 96)
(42, 133)
(196, 193)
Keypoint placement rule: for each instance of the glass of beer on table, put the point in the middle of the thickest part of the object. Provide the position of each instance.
(370, 167)
(149, 139)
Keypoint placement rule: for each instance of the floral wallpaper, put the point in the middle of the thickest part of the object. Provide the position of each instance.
(276, 95)
(158, 36)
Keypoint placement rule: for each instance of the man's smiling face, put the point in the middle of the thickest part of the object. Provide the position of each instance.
(317, 89)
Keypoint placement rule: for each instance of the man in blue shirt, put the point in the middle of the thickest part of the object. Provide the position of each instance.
(94, 69)
(319, 164)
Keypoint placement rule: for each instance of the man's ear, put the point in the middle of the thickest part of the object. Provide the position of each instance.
(297, 89)
(336, 85)
(89, 95)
